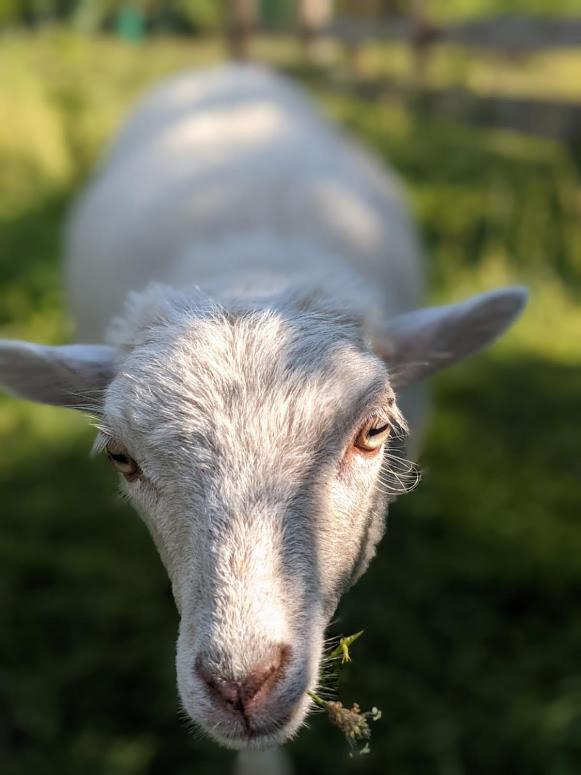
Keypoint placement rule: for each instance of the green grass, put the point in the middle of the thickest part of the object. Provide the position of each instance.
(473, 631)
(464, 9)
(544, 75)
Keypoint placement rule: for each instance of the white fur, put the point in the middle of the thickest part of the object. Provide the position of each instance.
(250, 268)
(229, 173)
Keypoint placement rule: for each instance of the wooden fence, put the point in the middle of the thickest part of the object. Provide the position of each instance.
(502, 34)
(510, 35)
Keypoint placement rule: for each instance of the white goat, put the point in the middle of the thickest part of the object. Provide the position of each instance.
(248, 398)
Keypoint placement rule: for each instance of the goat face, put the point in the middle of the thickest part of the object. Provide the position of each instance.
(252, 444)
(258, 446)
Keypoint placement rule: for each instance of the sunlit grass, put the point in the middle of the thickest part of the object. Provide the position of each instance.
(465, 9)
(497, 208)
(541, 75)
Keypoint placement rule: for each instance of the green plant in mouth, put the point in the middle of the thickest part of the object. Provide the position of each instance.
(351, 721)
(342, 650)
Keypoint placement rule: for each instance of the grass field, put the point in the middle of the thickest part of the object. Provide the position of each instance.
(543, 75)
(473, 628)
(463, 9)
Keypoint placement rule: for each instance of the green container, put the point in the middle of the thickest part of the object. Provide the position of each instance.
(130, 24)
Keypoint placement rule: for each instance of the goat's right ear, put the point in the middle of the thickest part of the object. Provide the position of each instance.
(73, 376)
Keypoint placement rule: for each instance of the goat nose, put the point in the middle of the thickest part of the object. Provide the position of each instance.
(251, 692)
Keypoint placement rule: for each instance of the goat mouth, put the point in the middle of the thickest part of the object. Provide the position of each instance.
(256, 736)
(247, 733)
(257, 731)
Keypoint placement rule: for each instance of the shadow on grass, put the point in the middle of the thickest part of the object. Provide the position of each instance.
(470, 610)
(88, 637)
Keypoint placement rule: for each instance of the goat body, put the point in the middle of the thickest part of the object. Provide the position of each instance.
(229, 179)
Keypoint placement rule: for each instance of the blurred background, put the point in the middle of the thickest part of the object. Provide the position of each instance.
(471, 610)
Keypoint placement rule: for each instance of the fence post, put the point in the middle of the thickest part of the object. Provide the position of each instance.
(423, 35)
(240, 24)
(313, 17)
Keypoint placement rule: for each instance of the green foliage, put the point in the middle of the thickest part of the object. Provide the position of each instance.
(473, 631)
(206, 15)
(203, 15)
(91, 15)
(8, 11)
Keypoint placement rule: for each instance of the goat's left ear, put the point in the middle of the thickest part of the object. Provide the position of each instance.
(417, 344)
(74, 375)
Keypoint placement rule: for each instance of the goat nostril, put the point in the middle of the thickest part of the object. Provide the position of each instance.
(227, 690)
(262, 678)
(224, 690)
(259, 683)
(254, 688)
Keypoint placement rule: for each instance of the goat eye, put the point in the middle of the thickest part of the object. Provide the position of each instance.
(120, 460)
(372, 435)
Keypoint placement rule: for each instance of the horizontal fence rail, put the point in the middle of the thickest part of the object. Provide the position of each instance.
(556, 120)
(506, 33)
